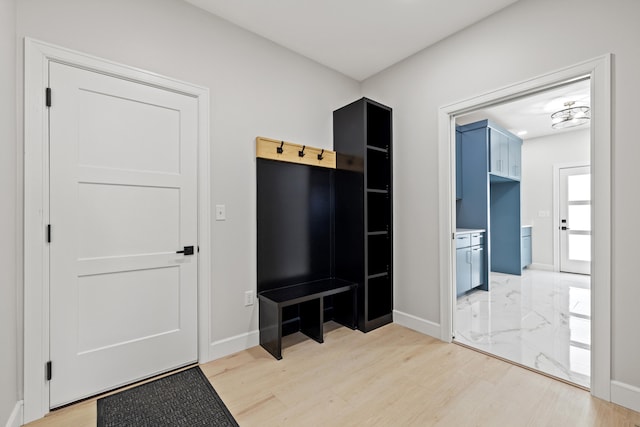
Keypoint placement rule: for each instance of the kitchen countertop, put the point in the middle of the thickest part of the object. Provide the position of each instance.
(469, 230)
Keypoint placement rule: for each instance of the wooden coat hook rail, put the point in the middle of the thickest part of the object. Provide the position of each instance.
(273, 149)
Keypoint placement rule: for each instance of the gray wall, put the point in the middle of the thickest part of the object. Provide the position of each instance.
(529, 38)
(257, 89)
(539, 155)
(8, 221)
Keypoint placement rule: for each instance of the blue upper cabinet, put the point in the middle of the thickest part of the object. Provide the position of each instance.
(515, 158)
(498, 152)
(491, 170)
(505, 152)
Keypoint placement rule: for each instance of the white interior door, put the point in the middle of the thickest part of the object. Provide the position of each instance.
(123, 201)
(575, 220)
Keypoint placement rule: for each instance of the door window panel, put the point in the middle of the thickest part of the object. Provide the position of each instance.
(580, 217)
(579, 187)
(579, 247)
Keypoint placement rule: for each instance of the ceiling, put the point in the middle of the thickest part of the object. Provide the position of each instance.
(358, 38)
(533, 113)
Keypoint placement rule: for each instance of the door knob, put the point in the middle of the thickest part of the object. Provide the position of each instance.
(188, 250)
(564, 228)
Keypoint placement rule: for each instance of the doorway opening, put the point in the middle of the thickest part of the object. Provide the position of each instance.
(524, 308)
(598, 70)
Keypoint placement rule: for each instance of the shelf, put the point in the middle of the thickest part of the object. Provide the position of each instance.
(382, 150)
(364, 208)
(283, 151)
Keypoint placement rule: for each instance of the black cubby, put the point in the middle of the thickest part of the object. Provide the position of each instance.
(378, 212)
(378, 126)
(378, 170)
(378, 254)
(380, 297)
(363, 207)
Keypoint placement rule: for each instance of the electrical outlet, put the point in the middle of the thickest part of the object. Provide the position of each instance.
(248, 298)
(221, 212)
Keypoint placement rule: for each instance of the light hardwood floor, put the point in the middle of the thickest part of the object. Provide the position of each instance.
(391, 376)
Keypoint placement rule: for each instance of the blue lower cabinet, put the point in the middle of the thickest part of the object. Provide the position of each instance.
(463, 270)
(526, 247)
(470, 261)
(477, 266)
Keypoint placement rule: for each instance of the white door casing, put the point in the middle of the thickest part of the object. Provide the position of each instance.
(38, 58)
(123, 200)
(574, 211)
(599, 72)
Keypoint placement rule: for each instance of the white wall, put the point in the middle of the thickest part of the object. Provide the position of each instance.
(523, 41)
(8, 225)
(257, 88)
(539, 155)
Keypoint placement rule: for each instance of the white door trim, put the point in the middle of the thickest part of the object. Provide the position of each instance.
(599, 72)
(36, 204)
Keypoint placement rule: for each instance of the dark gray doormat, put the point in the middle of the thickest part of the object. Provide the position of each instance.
(182, 399)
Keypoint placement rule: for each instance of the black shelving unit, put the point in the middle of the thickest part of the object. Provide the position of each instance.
(363, 207)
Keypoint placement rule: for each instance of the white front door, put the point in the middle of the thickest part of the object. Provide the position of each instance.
(123, 201)
(575, 220)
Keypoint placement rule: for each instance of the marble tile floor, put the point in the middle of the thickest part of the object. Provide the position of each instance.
(541, 320)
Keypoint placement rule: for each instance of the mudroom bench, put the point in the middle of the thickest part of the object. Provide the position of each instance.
(310, 298)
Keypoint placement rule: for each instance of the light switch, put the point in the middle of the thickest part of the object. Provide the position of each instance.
(221, 212)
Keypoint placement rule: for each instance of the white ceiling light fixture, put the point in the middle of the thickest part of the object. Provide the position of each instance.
(572, 115)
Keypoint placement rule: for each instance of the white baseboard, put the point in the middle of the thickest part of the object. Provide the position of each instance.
(227, 346)
(538, 266)
(625, 395)
(417, 324)
(16, 417)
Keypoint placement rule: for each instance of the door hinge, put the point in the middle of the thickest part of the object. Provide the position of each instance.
(47, 371)
(48, 233)
(47, 93)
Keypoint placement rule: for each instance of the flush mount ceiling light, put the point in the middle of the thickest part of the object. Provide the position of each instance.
(572, 115)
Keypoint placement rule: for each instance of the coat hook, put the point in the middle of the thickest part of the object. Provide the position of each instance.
(279, 149)
(320, 156)
(301, 152)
